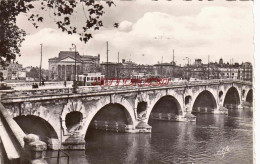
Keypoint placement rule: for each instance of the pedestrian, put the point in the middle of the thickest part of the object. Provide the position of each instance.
(65, 83)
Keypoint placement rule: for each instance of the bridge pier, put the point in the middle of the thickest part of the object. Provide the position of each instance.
(169, 117)
(242, 103)
(205, 110)
(245, 104)
(188, 117)
(187, 113)
(112, 126)
(220, 110)
(74, 142)
(143, 127)
(53, 144)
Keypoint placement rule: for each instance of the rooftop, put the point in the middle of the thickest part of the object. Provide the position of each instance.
(71, 54)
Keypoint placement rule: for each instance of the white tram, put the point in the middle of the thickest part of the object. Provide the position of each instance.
(90, 79)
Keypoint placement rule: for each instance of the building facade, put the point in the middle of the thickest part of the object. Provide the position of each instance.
(126, 69)
(169, 70)
(247, 71)
(221, 70)
(63, 66)
(13, 71)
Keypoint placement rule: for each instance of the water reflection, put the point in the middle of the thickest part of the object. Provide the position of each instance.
(212, 139)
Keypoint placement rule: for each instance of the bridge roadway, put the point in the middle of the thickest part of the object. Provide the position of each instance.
(62, 118)
(57, 90)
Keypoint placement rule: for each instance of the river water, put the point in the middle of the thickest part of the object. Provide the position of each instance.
(226, 139)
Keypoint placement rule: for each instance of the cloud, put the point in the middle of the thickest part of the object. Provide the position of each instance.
(125, 26)
(215, 31)
(53, 41)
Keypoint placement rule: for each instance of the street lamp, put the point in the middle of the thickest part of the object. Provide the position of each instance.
(41, 67)
(75, 69)
(188, 67)
(75, 66)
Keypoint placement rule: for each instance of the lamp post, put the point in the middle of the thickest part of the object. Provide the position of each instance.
(75, 70)
(188, 67)
(41, 67)
(208, 68)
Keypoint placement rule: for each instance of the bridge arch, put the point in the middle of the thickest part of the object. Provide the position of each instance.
(204, 101)
(232, 97)
(249, 96)
(32, 124)
(107, 102)
(165, 104)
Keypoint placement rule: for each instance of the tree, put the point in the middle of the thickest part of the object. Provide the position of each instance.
(1, 76)
(11, 36)
(34, 73)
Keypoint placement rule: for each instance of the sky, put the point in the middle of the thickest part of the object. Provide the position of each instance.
(149, 31)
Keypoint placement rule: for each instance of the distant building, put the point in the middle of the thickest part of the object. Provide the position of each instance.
(110, 69)
(196, 71)
(63, 66)
(129, 68)
(126, 69)
(21, 74)
(198, 62)
(221, 62)
(247, 71)
(168, 70)
(11, 72)
(221, 70)
(224, 73)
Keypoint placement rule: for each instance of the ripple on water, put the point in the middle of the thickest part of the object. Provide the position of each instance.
(204, 141)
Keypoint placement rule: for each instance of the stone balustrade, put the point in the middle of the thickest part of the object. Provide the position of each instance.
(46, 84)
(9, 94)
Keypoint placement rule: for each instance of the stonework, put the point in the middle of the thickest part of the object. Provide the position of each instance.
(54, 112)
(72, 106)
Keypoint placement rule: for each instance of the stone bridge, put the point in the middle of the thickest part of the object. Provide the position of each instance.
(62, 118)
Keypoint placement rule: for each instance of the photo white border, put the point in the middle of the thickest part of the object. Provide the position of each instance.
(256, 81)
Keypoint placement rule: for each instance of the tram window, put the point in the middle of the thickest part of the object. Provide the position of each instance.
(98, 78)
(88, 78)
(92, 78)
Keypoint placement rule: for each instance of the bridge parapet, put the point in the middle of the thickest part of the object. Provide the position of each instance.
(99, 90)
(28, 85)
